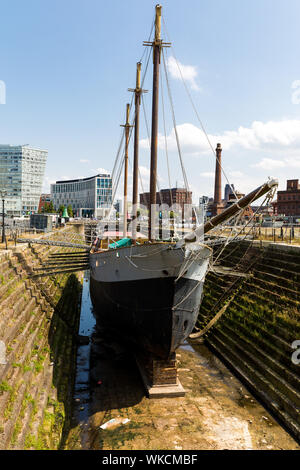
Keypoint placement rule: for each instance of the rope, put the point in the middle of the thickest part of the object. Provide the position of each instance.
(149, 143)
(119, 171)
(269, 195)
(195, 109)
(174, 124)
(118, 153)
(200, 333)
(165, 133)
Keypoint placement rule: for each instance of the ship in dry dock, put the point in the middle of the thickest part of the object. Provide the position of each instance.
(149, 289)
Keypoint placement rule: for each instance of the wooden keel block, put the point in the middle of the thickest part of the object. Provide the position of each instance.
(160, 377)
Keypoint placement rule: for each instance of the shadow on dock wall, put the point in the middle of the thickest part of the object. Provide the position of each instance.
(62, 339)
(39, 324)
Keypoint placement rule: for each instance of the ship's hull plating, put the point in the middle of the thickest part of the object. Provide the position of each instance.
(143, 295)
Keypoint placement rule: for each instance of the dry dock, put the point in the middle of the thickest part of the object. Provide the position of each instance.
(45, 405)
(218, 412)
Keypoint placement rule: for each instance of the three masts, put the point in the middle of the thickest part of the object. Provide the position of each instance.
(149, 291)
(157, 45)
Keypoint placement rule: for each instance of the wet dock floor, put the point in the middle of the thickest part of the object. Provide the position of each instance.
(217, 412)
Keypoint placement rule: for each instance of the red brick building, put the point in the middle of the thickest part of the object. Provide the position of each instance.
(288, 201)
(45, 198)
(248, 212)
(168, 196)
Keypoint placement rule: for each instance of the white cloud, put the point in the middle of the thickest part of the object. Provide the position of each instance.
(144, 175)
(188, 72)
(236, 174)
(100, 171)
(271, 135)
(82, 160)
(207, 174)
(293, 162)
(46, 184)
(269, 164)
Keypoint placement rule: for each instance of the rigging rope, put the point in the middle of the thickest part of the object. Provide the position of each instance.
(165, 133)
(195, 109)
(149, 143)
(174, 124)
(121, 163)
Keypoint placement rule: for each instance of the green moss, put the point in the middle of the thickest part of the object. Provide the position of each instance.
(32, 442)
(16, 431)
(9, 406)
(4, 387)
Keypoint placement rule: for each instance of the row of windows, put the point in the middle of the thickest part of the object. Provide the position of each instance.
(283, 207)
(103, 183)
(103, 192)
(289, 198)
(72, 187)
(81, 185)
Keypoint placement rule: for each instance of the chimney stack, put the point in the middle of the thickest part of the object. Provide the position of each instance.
(218, 177)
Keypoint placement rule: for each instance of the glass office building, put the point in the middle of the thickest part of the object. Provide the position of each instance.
(89, 197)
(22, 171)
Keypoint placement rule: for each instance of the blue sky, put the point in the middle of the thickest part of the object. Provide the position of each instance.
(67, 66)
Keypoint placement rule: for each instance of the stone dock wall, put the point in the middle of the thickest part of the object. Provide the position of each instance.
(39, 320)
(262, 320)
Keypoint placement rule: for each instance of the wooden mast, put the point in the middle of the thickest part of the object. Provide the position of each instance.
(155, 94)
(136, 150)
(137, 91)
(157, 44)
(127, 127)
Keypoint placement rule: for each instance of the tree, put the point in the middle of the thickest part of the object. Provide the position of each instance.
(61, 209)
(70, 210)
(51, 207)
(48, 208)
(45, 208)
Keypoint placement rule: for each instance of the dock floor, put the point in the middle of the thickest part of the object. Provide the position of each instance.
(217, 412)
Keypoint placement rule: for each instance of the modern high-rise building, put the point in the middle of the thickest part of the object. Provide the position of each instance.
(89, 197)
(229, 189)
(22, 171)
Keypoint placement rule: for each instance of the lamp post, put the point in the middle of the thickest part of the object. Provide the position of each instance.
(3, 194)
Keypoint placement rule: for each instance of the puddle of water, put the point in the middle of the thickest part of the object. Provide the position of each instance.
(210, 363)
(206, 358)
(86, 328)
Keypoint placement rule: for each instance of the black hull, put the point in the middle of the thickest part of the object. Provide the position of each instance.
(144, 312)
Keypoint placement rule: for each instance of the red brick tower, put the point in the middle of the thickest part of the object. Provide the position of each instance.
(217, 204)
